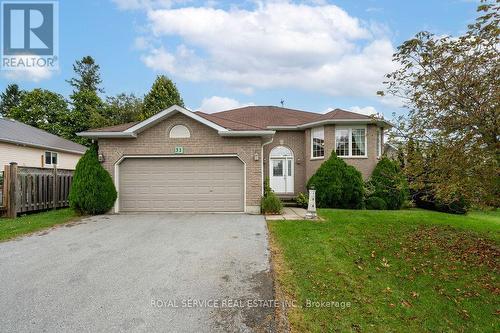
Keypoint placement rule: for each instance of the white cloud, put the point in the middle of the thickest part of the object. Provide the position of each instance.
(367, 110)
(33, 74)
(277, 44)
(145, 4)
(217, 103)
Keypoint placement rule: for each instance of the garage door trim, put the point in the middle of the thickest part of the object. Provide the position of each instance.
(117, 172)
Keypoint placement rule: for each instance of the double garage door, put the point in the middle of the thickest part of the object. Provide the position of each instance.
(182, 184)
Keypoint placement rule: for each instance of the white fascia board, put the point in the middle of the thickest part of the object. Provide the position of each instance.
(96, 135)
(384, 123)
(284, 128)
(167, 112)
(246, 133)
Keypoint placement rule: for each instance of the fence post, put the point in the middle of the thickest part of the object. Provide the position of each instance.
(54, 189)
(12, 191)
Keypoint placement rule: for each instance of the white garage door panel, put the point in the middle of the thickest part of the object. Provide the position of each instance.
(182, 184)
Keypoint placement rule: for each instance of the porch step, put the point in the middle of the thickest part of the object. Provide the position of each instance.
(288, 200)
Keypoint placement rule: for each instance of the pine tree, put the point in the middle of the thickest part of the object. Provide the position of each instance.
(163, 94)
(9, 99)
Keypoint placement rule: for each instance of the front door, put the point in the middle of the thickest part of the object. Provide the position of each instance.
(281, 174)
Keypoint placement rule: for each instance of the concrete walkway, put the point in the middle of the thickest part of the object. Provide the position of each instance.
(289, 213)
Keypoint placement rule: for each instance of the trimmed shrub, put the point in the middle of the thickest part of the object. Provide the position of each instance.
(388, 183)
(271, 204)
(375, 203)
(337, 185)
(302, 200)
(92, 191)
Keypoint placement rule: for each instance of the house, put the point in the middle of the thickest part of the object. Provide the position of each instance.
(179, 160)
(33, 147)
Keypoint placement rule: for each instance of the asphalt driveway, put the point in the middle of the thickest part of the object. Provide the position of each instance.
(161, 272)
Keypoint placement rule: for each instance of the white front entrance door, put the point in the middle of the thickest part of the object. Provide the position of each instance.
(281, 170)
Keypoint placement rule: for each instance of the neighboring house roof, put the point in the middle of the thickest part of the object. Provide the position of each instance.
(13, 131)
(249, 120)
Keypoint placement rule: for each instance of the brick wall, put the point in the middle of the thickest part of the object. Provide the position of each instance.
(364, 164)
(203, 140)
(295, 141)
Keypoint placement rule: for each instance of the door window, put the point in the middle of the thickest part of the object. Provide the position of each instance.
(277, 168)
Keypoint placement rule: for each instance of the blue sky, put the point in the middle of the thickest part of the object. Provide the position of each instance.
(315, 55)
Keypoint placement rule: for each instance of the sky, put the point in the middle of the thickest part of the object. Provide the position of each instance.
(313, 55)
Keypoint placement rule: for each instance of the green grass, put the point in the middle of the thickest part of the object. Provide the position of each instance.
(402, 271)
(10, 228)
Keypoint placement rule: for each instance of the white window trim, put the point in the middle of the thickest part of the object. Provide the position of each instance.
(312, 144)
(51, 152)
(177, 126)
(350, 128)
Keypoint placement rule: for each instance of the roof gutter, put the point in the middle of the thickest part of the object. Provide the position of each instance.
(28, 144)
(346, 121)
(97, 135)
(247, 133)
(384, 123)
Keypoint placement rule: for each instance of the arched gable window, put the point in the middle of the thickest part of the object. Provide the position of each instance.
(179, 132)
(281, 151)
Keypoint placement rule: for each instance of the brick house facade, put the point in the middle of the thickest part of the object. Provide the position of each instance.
(250, 135)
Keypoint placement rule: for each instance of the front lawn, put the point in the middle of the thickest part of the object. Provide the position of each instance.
(10, 228)
(401, 271)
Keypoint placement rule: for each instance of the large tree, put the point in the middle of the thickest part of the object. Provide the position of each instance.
(87, 75)
(451, 86)
(123, 108)
(87, 107)
(10, 98)
(163, 94)
(43, 109)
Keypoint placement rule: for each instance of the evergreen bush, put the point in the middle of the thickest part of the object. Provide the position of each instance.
(92, 190)
(389, 183)
(375, 203)
(337, 185)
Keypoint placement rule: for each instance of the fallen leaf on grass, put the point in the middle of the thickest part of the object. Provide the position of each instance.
(414, 294)
(385, 263)
(406, 304)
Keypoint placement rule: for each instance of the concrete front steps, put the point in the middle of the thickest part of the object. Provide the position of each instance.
(287, 200)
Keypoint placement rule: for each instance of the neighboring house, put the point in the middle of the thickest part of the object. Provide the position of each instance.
(178, 160)
(33, 147)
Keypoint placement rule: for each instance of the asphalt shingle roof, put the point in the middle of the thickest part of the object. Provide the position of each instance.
(254, 118)
(13, 131)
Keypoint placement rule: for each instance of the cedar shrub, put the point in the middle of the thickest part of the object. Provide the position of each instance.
(92, 190)
(337, 185)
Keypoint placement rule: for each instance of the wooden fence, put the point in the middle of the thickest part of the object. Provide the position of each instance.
(28, 189)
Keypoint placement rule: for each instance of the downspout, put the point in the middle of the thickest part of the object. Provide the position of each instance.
(262, 162)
